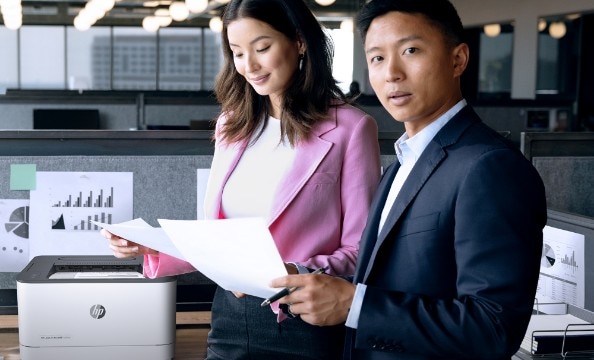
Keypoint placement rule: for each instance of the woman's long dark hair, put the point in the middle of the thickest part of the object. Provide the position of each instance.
(312, 90)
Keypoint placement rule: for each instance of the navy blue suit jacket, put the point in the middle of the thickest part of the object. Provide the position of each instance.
(453, 272)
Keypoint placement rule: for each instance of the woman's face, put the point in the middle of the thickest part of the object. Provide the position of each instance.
(265, 57)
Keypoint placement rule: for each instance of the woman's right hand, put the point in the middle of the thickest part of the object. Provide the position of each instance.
(123, 248)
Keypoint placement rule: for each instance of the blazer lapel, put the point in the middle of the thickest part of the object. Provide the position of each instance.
(310, 153)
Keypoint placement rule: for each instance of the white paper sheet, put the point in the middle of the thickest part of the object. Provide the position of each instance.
(237, 254)
(562, 270)
(141, 232)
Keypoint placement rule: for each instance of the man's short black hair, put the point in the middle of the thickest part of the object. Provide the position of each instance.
(439, 12)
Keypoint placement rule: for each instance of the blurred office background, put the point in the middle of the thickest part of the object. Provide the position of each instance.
(152, 64)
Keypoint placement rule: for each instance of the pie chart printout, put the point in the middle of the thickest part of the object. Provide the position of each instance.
(548, 257)
(18, 222)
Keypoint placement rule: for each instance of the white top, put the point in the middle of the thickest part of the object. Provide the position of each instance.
(252, 186)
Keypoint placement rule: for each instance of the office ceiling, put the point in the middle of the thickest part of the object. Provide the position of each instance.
(132, 12)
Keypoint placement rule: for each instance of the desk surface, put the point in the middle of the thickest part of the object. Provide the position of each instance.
(190, 342)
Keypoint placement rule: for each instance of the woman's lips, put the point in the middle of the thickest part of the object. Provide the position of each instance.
(259, 80)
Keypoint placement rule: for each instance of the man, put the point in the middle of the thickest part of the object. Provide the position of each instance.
(449, 261)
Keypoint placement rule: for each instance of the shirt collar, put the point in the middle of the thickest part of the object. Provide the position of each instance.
(410, 149)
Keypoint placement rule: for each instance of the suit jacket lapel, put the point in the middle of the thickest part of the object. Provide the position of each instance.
(369, 236)
(432, 156)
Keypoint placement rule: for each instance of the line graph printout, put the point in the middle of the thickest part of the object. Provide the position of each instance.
(65, 204)
(562, 275)
(14, 234)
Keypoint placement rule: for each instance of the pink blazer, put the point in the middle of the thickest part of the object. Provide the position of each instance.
(321, 207)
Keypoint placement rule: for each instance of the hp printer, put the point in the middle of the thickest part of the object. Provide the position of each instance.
(94, 307)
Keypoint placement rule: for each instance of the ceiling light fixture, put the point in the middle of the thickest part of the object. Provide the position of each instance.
(163, 18)
(150, 24)
(325, 2)
(196, 6)
(492, 30)
(557, 29)
(347, 25)
(93, 11)
(572, 17)
(178, 11)
(12, 13)
(542, 24)
(216, 24)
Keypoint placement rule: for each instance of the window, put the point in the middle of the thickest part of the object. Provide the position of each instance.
(88, 58)
(8, 64)
(126, 58)
(134, 59)
(495, 58)
(182, 58)
(42, 62)
(342, 67)
(558, 54)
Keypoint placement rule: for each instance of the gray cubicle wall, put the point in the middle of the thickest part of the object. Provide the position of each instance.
(565, 161)
(164, 164)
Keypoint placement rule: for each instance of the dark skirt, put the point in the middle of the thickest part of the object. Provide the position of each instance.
(242, 329)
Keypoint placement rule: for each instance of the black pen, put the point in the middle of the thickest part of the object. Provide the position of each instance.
(287, 291)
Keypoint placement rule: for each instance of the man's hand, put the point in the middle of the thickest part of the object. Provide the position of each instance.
(320, 300)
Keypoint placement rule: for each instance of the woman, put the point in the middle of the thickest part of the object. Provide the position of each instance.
(288, 148)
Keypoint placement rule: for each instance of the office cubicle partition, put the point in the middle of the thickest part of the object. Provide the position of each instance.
(547, 144)
(565, 161)
(164, 166)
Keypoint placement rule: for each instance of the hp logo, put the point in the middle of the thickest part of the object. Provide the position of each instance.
(97, 311)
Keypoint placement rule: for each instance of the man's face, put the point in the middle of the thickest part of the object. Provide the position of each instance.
(413, 69)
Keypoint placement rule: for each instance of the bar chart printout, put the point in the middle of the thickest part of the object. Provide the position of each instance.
(87, 200)
(88, 225)
(562, 275)
(66, 203)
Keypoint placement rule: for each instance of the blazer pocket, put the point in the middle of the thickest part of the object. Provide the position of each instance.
(420, 224)
(323, 178)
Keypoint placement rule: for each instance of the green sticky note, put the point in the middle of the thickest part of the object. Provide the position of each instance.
(23, 176)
